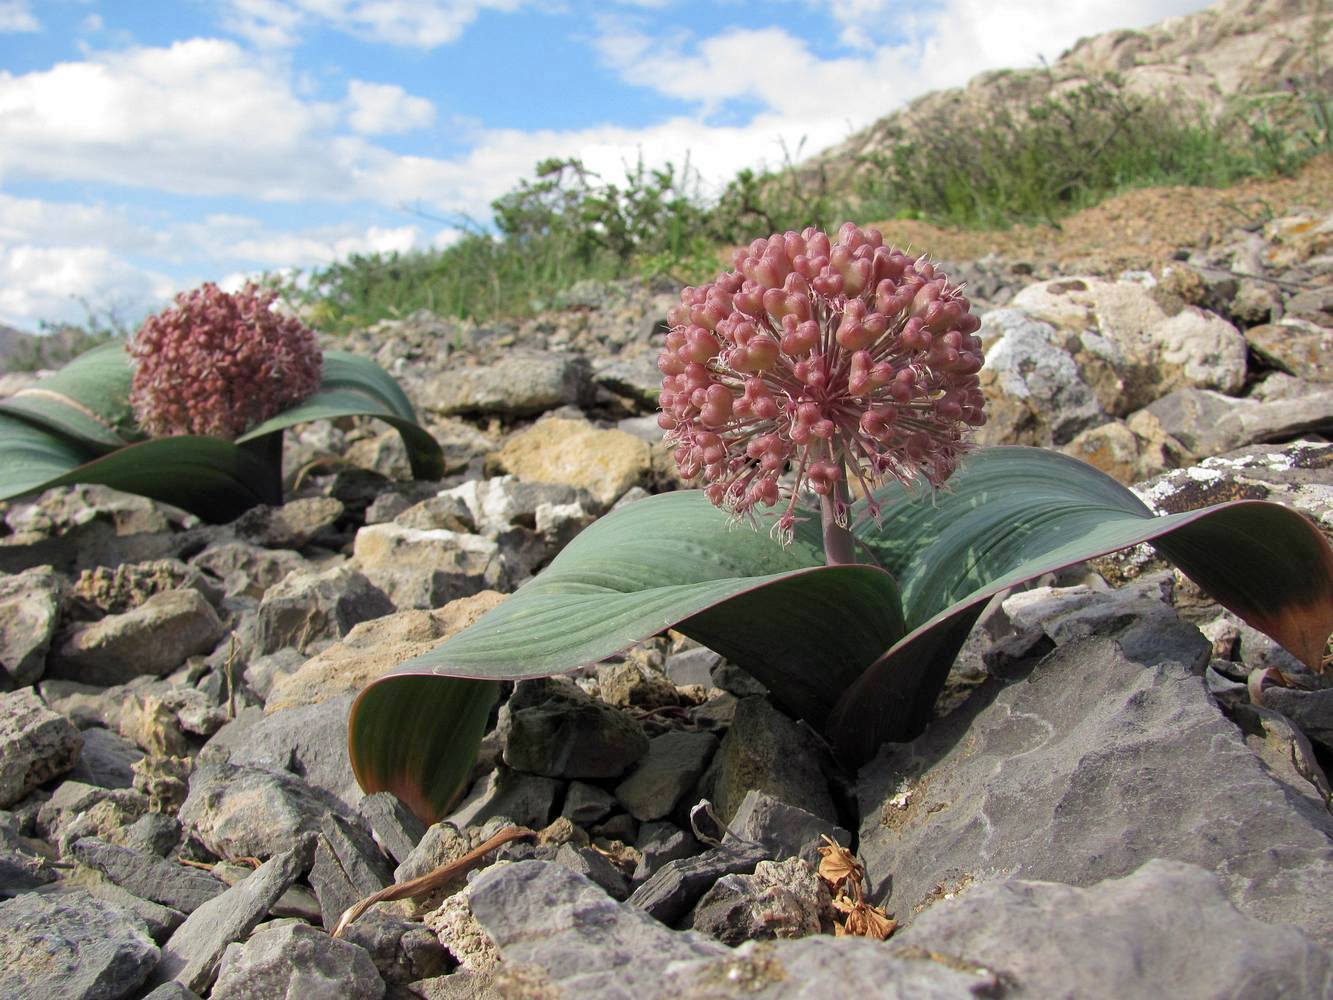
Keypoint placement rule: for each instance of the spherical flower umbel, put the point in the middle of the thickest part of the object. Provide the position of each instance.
(829, 358)
(217, 363)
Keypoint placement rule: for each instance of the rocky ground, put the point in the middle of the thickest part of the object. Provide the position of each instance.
(1098, 810)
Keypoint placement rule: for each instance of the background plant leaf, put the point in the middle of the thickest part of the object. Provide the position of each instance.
(804, 629)
(87, 400)
(1012, 514)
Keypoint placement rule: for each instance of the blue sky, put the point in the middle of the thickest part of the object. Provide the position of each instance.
(147, 146)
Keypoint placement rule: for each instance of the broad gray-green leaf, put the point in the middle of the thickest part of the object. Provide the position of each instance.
(1012, 514)
(87, 400)
(804, 629)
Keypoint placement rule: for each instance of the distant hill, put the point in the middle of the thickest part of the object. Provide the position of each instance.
(1265, 51)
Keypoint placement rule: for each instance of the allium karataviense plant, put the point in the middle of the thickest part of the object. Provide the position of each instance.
(218, 363)
(192, 410)
(821, 363)
(828, 360)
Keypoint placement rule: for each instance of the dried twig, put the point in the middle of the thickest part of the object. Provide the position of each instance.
(432, 880)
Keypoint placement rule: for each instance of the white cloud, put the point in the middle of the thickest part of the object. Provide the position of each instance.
(422, 24)
(54, 283)
(384, 108)
(16, 17)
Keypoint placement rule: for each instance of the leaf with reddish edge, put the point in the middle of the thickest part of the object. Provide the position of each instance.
(804, 629)
(1012, 514)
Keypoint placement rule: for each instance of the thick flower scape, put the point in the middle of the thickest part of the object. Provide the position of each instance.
(217, 364)
(835, 359)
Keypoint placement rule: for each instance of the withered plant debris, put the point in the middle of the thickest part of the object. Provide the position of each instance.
(845, 877)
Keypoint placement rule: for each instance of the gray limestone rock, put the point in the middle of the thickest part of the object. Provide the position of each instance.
(290, 526)
(519, 385)
(303, 608)
(1081, 771)
(192, 954)
(403, 951)
(780, 900)
(149, 877)
(674, 763)
(244, 812)
(72, 945)
(426, 568)
(585, 803)
(787, 831)
(555, 730)
(527, 799)
(154, 638)
(395, 827)
(29, 610)
(594, 866)
(157, 919)
(1165, 929)
(36, 745)
(291, 960)
(692, 666)
(1209, 423)
(764, 749)
(347, 868)
(674, 888)
(247, 570)
(309, 741)
(105, 759)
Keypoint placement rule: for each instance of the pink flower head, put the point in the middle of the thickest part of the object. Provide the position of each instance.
(834, 359)
(217, 364)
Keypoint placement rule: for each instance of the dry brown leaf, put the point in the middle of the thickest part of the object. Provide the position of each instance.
(837, 865)
(869, 921)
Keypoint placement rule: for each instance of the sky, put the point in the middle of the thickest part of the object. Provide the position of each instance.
(147, 146)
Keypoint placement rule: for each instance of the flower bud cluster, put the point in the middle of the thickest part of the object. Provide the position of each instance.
(832, 358)
(217, 363)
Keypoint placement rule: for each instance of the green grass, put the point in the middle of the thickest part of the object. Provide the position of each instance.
(985, 169)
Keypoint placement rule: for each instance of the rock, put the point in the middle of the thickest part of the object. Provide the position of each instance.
(395, 828)
(1034, 391)
(457, 929)
(672, 890)
(426, 569)
(36, 745)
(29, 609)
(191, 955)
(153, 833)
(659, 843)
(606, 463)
(1296, 347)
(89, 810)
(780, 900)
(517, 386)
(347, 868)
(370, 649)
(85, 705)
(511, 902)
(692, 666)
(636, 681)
(787, 832)
(1311, 711)
(1208, 423)
(158, 920)
(106, 760)
(152, 878)
(765, 750)
(538, 916)
(557, 731)
(113, 591)
(403, 951)
(527, 799)
(304, 608)
(1149, 933)
(446, 510)
(21, 868)
(250, 812)
(155, 638)
(72, 945)
(673, 765)
(246, 569)
(445, 843)
(291, 526)
(1081, 771)
(734, 680)
(1162, 350)
(1128, 452)
(594, 866)
(296, 960)
(502, 502)
(171, 991)
(585, 804)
